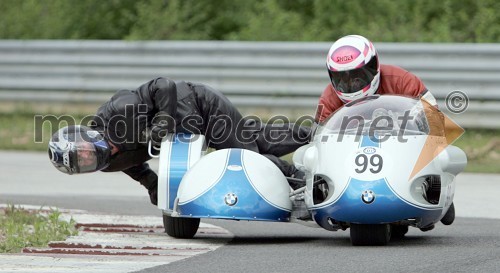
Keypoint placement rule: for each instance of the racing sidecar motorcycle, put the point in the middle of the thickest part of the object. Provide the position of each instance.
(376, 166)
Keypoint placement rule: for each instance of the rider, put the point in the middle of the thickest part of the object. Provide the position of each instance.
(355, 72)
(117, 138)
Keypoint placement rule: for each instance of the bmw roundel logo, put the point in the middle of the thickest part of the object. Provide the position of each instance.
(369, 150)
(230, 199)
(368, 197)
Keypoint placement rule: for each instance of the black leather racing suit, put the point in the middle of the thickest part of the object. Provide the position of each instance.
(195, 108)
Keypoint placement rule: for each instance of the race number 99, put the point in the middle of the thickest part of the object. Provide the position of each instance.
(373, 162)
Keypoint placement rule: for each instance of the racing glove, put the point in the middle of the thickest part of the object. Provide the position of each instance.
(161, 125)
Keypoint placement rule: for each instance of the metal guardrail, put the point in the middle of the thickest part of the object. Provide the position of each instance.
(256, 74)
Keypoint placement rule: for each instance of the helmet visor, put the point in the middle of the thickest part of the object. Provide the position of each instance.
(353, 80)
(84, 157)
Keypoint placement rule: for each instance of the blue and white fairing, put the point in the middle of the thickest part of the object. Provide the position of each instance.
(178, 153)
(234, 184)
(372, 181)
(374, 198)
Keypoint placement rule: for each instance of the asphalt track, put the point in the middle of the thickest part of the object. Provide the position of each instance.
(471, 244)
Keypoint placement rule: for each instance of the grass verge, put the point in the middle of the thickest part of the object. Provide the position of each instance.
(482, 148)
(20, 228)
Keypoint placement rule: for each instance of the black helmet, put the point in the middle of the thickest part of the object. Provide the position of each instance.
(79, 149)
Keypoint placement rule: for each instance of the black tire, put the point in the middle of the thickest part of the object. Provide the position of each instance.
(449, 217)
(370, 235)
(183, 228)
(398, 231)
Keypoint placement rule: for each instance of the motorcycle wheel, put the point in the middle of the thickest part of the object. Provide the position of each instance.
(183, 228)
(449, 217)
(370, 235)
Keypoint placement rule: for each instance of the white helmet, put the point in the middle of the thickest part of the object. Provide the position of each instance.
(353, 67)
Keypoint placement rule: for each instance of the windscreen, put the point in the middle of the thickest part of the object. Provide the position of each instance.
(378, 115)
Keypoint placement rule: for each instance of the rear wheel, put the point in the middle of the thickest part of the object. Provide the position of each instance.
(370, 235)
(178, 227)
